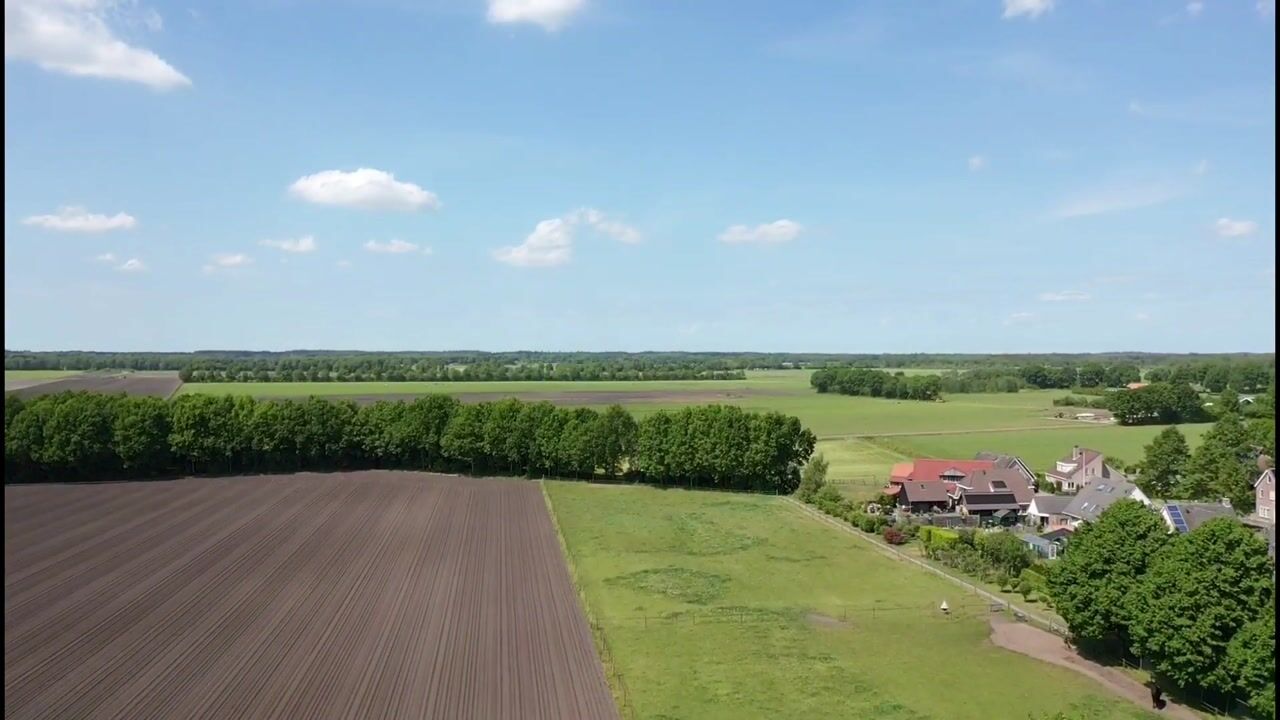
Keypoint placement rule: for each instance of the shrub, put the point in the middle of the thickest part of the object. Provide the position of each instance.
(894, 536)
(867, 523)
(1024, 589)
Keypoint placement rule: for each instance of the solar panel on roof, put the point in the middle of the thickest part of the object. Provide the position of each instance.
(1178, 520)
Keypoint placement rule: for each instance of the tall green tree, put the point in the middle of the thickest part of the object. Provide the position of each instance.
(140, 435)
(1106, 560)
(1198, 592)
(1223, 466)
(1251, 660)
(1164, 460)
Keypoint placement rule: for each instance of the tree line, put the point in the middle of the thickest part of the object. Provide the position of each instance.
(90, 436)
(1007, 365)
(1224, 465)
(876, 383)
(1216, 375)
(378, 370)
(1199, 606)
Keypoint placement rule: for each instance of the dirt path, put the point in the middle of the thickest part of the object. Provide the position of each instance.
(1034, 642)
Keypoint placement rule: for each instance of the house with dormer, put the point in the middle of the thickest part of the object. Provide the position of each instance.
(1080, 469)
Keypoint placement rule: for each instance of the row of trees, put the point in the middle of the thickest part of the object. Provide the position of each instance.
(1225, 465)
(1089, 375)
(1200, 606)
(876, 383)
(426, 371)
(1252, 375)
(72, 436)
(1159, 403)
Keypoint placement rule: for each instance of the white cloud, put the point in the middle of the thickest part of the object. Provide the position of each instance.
(1030, 8)
(77, 219)
(1065, 296)
(1201, 167)
(1195, 8)
(72, 37)
(106, 257)
(394, 247)
(778, 231)
(364, 188)
(304, 244)
(1115, 199)
(1141, 316)
(1228, 228)
(551, 242)
(228, 261)
(977, 162)
(550, 15)
(1019, 317)
(132, 265)
(1266, 8)
(343, 263)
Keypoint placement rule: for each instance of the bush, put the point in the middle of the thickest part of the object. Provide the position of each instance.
(867, 523)
(812, 479)
(1024, 589)
(894, 536)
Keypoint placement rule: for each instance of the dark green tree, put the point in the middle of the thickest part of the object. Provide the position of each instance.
(1164, 461)
(1106, 560)
(1198, 592)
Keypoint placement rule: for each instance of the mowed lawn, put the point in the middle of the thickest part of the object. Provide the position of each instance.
(1039, 448)
(714, 605)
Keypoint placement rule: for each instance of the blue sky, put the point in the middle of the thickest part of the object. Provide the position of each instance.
(960, 176)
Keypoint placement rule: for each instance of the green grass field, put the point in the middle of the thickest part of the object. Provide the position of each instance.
(1038, 448)
(714, 605)
(787, 392)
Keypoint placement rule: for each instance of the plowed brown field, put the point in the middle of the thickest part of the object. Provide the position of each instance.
(356, 595)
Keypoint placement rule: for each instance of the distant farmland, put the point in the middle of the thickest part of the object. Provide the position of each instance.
(156, 384)
(370, 594)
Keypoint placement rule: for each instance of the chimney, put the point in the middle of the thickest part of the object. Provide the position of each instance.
(1075, 452)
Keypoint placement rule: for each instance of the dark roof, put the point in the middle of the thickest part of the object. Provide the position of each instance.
(1007, 462)
(1098, 496)
(924, 492)
(1051, 504)
(1057, 534)
(989, 501)
(1196, 514)
(998, 481)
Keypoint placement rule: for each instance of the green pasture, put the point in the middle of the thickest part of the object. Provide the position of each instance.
(715, 605)
(1040, 449)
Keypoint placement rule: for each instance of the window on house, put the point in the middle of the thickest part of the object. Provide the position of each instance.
(1264, 512)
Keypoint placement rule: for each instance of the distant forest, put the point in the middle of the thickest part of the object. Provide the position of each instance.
(964, 372)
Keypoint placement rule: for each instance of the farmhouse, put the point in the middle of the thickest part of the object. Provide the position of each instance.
(1047, 512)
(1008, 462)
(1100, 495)
(998, 494)
(1080, 469)
(920, 497)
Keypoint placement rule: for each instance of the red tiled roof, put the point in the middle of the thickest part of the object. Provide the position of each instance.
(932, 469)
